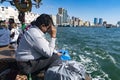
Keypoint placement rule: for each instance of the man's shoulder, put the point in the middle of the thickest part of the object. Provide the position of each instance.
(32, 28)
(34, 31)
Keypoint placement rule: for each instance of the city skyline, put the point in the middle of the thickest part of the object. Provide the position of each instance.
(86, 10)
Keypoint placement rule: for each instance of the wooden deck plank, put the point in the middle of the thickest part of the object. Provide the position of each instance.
(7, 52)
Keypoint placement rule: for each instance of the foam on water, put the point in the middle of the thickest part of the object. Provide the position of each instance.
(112, 59)
(87, 52)
(96, 48)
(88, 58)
(93, 66)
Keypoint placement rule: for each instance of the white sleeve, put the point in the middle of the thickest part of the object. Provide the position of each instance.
(43, 46)
(55, 51)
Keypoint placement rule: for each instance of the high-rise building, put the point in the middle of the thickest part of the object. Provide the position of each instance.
(100, 21)
(95, 21)
(60, 10)
(62, 17)
(53, 18)
(65, 15)
(59, 19)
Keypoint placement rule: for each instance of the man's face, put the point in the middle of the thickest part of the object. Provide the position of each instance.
(45, 29)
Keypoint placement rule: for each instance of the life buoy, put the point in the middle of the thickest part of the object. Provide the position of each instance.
(24, 6)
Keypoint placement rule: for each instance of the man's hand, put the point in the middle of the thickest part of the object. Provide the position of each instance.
(59, 54)
(53, 31)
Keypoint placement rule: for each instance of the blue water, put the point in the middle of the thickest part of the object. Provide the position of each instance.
(97, 48)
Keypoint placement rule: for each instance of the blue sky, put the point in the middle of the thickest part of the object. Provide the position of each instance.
(87, 10)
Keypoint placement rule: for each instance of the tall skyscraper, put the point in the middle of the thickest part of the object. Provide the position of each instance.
(59, 19)
(100, 21)
(65, 15)
(60, 10)
(95, 21)
(54, 19)
(62, 17)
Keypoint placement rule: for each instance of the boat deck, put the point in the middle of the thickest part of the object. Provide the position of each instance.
(7, 59)
(7, 52)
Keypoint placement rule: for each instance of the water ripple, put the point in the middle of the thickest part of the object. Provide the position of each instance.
(97, 48)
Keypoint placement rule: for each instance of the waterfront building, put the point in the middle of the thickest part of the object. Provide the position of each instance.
(105, 23)
(10, 12)
(68, 20)
(95, 21)
(87, 23)
(65, 15)
(60, 10)
(74, 23)
(54, 19)
(73, 18)
(71, 22)
(80, 23)
(63, 18)
(100, 21)
(92, 25)
(29, 16)
(118, 24)
(59, 19)
(77, 22)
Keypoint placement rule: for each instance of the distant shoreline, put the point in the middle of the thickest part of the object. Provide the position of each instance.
(92, 26)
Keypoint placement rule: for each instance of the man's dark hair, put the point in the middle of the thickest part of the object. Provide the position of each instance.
(33, 22)
(1, 21)
(11, 20)
(44, 19)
